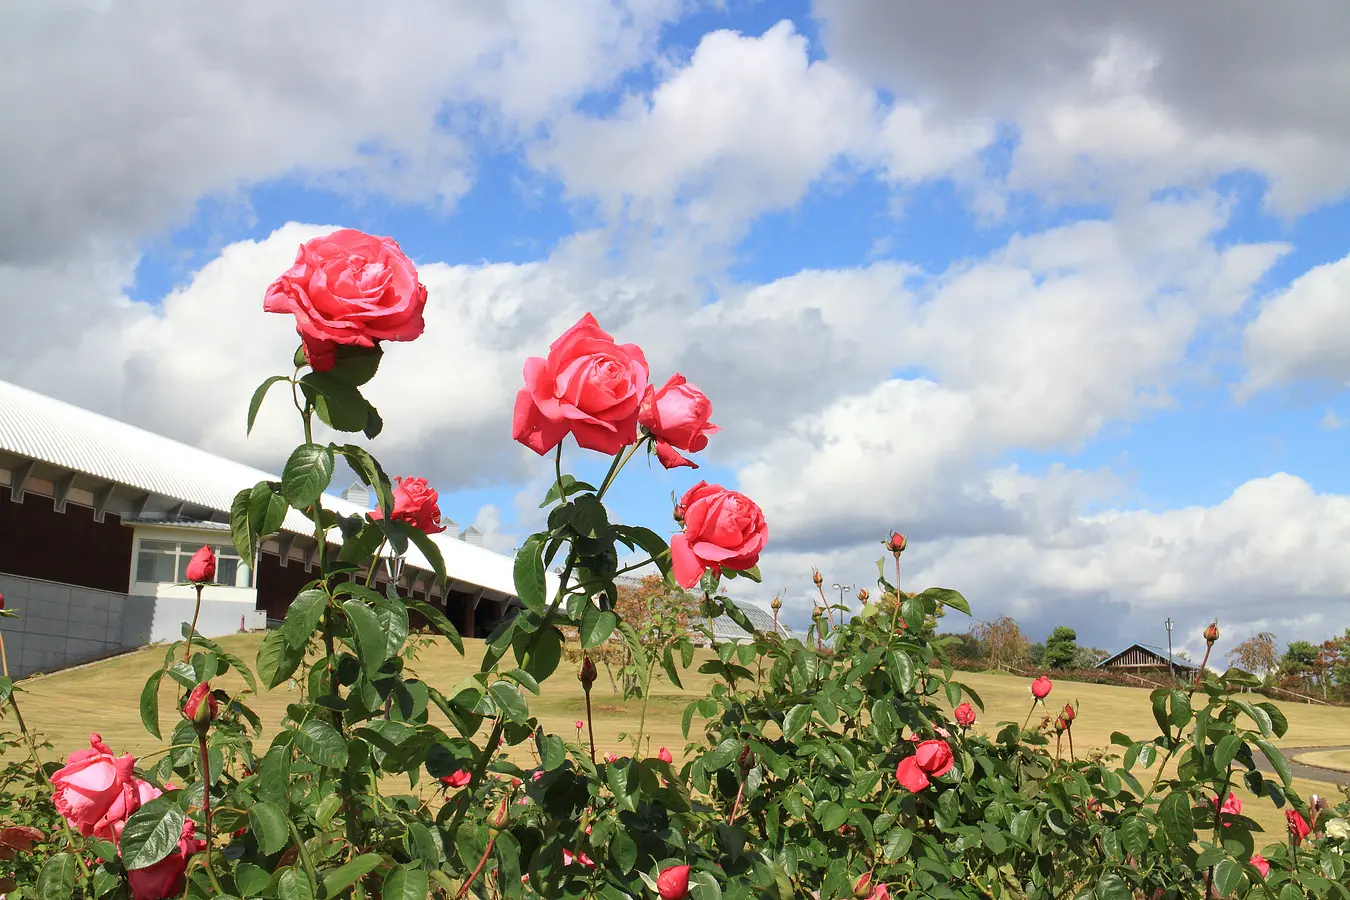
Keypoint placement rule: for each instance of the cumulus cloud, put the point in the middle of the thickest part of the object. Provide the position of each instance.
(1302, 333)
(1111, 96)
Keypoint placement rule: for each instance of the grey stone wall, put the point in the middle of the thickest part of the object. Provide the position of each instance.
(59, 625)
(151, 619)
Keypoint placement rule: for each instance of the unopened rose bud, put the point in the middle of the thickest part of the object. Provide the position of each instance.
(863, 594)
(201, 707)
(862, 888)
(673, 883)
(665, 756)
(746, 759)
(201, 569)
(817, 613)
(895, 543)
(817, 578)
(1069, 713)
(500, 816)
(1212, 632)
(587, 675)
(776, 605)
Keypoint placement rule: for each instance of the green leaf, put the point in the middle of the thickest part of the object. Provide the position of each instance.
(510, 701)
(1277, 761)
(796, 719)
(1113, 887)
(294, 885)
(531, 584)
(356, 365)
(623, 851)
(372, 475)
(241, 535)
(321, 743)
(370, 641)
(438, 621)
(56, 881)
(303, 616)
(251, 880)
(337, 403)
(946, 597)
(901, 669)
(277, 660)
(269, 826)
(589, 517)
(307, 474)
(405, 883)
(151, 833)
(1175, 813)
(256, 403)
(149, 701)
(266, 510)
(1229, 878)
(423, 542)
(596, 626)
(337, 880)
(1225, 750)
(703, 886)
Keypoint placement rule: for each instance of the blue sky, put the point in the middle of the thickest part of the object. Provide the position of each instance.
(1084, 337)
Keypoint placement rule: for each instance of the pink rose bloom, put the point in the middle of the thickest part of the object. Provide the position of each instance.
(588, 386)
(722, 530)
(456, 779)
(931, 758)
(135, 794)
(165, 878)
(677, 416)
(416, 503)
(1261, 865)
(880, 893)
(965, 715)
(85, 789)
(1040, 688)
(569, 858)
(349, 288)
(580, 724)
(1231, 807)
(201, 568)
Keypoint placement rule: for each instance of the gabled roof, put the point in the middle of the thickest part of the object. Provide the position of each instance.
(1159, 652)
(725, 626)
(110, 452)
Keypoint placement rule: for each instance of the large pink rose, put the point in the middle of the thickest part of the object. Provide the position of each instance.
(722, 530)
(416, 503)
(588, 386)
(135, 794)
(349, 288)
(165, 878)
(88, 785)
(677, 416)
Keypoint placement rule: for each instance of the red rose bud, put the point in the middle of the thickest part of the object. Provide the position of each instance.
(202, 568)
(817, 578)
(895, 543)
(673, 883)
(500, 816)
(2, 601)
(201, 707)
(1040, 688)
(965, 715)
(863, 594)
(587, 675)
(862, 888)
(746, 759)
(1298, 826)
(1212, 632)
(1069, 713)
(1260, 864)
(665, 756)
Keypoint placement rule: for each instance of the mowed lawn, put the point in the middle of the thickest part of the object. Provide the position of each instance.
(104, 697)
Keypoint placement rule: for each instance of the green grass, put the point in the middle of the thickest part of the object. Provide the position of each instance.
(1327, 759)
(104, 697)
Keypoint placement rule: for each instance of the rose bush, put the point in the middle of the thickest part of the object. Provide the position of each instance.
(822, 767)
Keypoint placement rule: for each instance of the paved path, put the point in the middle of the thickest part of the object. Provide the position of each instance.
(1299, 770)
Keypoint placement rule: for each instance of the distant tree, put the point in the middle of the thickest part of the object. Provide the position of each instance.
(1300, 658)
(1060, 648)
(963, 646)
(1036, 654)
(1256, 654)
(1002, 640)
(1087, 657)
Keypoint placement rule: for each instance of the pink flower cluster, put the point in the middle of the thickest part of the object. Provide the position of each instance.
(96, 792)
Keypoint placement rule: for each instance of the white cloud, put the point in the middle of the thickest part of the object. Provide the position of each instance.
(1303, 331)
(1123, 97)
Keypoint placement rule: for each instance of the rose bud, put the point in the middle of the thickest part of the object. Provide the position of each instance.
(746, 759)
(817, 578)
(456, 779)
(579, 724)
(863, 594)
(1040, 688)
(1212, 632)
(776, 605)
(1069, 713)
(862, 888)
(665, 756)
(587, 675)
(965, 715)
(673, 883)
(202, 567)
(2, 601)
(500, 816)
(1260, 864)
(1298, 826)
(201, 707)
(895, 543)
(818, 613)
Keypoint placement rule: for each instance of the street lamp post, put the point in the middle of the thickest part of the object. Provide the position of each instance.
(1171, 666)
(841, 588)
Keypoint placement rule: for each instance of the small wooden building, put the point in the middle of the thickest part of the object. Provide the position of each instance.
(1146, 660)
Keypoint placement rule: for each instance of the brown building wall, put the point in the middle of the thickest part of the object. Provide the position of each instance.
(277, 584)
(70, 547)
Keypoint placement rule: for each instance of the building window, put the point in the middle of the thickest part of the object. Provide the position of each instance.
(166, 562)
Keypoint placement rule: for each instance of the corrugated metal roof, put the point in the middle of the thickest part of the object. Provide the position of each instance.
(1157, 651)
(726, 627)
(59, 434)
